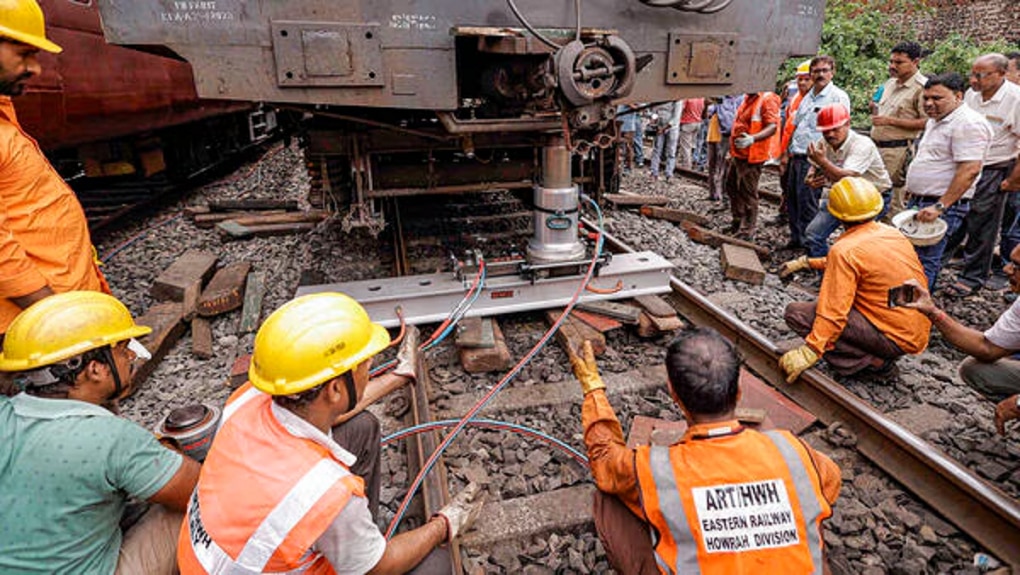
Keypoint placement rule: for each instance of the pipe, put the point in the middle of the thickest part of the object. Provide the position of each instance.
(457, 126)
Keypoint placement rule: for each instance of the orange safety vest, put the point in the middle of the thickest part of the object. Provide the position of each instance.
(263, 497)
(789, 127)
(762, 150)
(741, 503)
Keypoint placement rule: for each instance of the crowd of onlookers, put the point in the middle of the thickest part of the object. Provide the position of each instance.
(933, 184)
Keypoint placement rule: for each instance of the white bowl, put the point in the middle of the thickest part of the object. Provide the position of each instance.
(919, 233)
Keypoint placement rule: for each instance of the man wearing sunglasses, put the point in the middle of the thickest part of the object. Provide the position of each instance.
(803, 204)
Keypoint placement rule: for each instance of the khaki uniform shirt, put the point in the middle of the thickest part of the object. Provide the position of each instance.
(904, 101)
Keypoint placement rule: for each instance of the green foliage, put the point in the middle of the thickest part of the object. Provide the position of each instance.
(859, 34)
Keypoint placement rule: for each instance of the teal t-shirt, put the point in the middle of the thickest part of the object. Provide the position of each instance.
(66, 470)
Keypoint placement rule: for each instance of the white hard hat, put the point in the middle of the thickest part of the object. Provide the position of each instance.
(919, 233)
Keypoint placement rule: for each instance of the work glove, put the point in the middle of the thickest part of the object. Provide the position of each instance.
(795, 361)
(743, 141)
(585, 369)
(461, 512)
(407, 356)
(794, 265)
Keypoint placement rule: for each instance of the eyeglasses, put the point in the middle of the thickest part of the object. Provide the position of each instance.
(982, 75)
(821, 70)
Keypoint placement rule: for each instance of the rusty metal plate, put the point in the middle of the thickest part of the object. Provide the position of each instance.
(701, 58)
(327, 54)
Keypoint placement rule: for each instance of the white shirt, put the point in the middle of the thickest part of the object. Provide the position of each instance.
(860, 155)
(352, 543)
(962, 136)
(806, 118)
(1006, 331)
(1002, 111)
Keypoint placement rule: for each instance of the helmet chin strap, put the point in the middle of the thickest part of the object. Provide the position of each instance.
(108, 358)
(352, 392)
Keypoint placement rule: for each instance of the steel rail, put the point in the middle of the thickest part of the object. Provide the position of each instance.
(976, 507)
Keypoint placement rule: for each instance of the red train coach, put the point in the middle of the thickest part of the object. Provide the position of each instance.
(102, 111)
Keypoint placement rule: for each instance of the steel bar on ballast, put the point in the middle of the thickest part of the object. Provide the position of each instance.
(978, 508)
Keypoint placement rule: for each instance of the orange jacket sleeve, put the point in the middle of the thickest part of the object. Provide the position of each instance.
(828, 473)
(18, 275)
(611, 462)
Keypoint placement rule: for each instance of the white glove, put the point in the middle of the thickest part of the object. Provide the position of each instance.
(743, 141)
(462, 511)
(407, 356)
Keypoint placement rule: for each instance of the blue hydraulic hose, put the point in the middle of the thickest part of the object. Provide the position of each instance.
(489, 424)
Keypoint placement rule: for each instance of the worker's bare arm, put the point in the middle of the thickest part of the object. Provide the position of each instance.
(408, 549)
(174, 495)
(29, 299)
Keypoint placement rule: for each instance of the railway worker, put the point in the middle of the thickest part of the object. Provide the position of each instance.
(630, 137)
(278, 455)
(943, 176)
(851, 323)
(842, 153)
(999, 102)
(755, 141)
(803, 83)
(899, 117)
(666, 121)
(704, 497)
(993, 368)
(803, 203)
(45, 246)
(68, 465)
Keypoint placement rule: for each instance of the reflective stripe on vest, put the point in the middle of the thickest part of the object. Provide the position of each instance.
(672, 508)
(273, 530)
(232, 407)
(809, 505)
(211, 557)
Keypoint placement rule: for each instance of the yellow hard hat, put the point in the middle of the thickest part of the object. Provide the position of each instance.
(63, 326)
(854, 200)
(22, 20)
(312, 339)
(804, 68)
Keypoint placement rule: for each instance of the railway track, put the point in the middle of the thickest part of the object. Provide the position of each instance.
(977, 508)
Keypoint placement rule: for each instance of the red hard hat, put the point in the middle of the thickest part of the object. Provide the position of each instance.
(832, 116)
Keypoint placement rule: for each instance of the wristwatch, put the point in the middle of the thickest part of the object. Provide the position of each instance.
(940, 207)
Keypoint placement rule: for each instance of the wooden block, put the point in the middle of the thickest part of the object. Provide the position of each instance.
(655, 306)
(595, 320)
(635, 200)
(281, 218)
(671, 215)
(191, 268)
(225, 291)
(254, 292)
(750, 414)
(708, 237)
(209, 220)
(192, 211)
(189, 304)
(664, 324)
(772, 197)
(573, 333)
(741, 264)
(201, 338)
(166, 321)
(645, 326)
(482, 359)
(230, 230)
(239, 371)
(266, 204)
(619, 311)
(476, 332)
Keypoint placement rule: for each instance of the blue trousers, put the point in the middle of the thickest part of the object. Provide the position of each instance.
(1010, 237)
(665, 143)
(816, 236)
(803, 204)
(931, 256)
